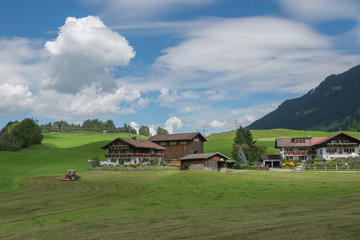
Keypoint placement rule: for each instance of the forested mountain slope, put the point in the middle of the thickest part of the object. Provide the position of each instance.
(331, 106)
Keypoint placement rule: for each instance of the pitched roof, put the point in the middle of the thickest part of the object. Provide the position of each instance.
(138, 143)
(288, 142)
(337, 134)
(202, 156)
(176, 137)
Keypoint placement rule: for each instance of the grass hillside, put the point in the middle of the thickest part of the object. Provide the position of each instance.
(35, 204)
(57, 153)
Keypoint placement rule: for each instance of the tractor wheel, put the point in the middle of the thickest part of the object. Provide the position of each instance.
(72, 178)
(78, 178)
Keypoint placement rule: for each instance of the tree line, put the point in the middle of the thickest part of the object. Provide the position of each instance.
(17, 135)
(354, 126)
(97, 126)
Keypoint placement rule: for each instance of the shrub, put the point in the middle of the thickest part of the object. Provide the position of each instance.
(95, 162)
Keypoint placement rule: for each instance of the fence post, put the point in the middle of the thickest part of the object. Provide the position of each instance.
(314, 167)
(336, 167)
(325, 167)
(348, 166)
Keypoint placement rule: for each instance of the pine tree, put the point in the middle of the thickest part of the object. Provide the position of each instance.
(244, 142)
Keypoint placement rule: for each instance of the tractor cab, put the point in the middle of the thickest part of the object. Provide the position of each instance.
(71, 176)
(72, 172)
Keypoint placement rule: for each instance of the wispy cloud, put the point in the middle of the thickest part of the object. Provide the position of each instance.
(321, 10)
(130, 10)
(260, 54)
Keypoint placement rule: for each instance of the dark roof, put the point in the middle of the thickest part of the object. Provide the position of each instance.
(138, 143)
(335, 135)
(270, 157)
(288, 142)
(176, 137)
(202, 156)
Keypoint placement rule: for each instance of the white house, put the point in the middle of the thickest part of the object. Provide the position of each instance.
(338, 146)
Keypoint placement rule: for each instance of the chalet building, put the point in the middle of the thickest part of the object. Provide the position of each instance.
(207, 161)
(180, 145)
(125, 151)
(338, 146)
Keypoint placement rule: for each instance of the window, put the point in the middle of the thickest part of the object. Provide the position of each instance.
(113, 160)
(183, 142)
(334, 141)
(346, 141)
(172, 143)
(163, 143)
(302, 158)
(349, 150)
(331, 151)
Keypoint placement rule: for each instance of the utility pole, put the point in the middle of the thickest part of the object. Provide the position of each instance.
(236, 124)
(129, 131)
(204, 130)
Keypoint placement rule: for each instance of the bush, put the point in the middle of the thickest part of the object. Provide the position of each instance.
(95, 162)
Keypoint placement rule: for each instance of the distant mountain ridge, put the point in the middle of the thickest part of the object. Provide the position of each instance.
(331, 106)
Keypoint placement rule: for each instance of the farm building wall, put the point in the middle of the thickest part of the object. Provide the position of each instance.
(213, 164)
(180, 149)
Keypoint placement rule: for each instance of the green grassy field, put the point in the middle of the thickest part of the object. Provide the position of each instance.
(35, 204)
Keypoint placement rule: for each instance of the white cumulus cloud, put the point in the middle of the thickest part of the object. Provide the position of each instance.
(217, 124)
(85, 104)
(14, 99)
(173, 124)
(135, 126)
(84, 54)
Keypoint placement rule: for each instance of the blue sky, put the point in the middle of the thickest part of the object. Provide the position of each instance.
(178, 64)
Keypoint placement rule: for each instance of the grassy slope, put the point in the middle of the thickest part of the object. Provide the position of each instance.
(168, 204)
(55, 155)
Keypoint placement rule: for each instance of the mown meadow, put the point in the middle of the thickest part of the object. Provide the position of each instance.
(166, 204)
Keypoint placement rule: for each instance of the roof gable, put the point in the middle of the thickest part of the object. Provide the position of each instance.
(138, 143)
(338, 135)
(203, 156)
(288, 142)
(177, 137)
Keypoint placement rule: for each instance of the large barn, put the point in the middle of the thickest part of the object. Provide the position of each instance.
(180, 145)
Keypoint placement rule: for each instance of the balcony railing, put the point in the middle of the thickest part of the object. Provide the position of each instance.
(134, 155)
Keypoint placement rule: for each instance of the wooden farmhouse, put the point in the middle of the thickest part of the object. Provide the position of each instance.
(338, 146)
(180, 145)
(125, 151)
(207, 161)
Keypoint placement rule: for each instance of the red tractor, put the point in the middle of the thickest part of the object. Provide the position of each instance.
(71, 176)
